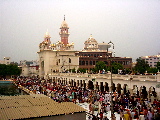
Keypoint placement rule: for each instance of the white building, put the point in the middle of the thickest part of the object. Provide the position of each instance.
(152, 60)
(29, 68)
(59, 56)
(6, 60)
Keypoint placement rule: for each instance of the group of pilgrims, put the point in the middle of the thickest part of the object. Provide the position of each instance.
(138, 104)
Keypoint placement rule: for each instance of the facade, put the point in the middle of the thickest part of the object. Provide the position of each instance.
(94, 52)
(6, 60)
(29, 68)
(152, 60)
(59, 56)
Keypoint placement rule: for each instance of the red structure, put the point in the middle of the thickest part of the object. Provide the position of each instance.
(64, 34)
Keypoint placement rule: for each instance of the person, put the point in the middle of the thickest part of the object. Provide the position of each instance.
(141, 117)
(94, 117)
(126, 116)
(121, 114)
(101, 115)
(149, 115)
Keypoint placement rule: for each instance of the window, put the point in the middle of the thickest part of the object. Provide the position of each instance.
(93, 62)
(83, 62)
(86, 62)
(69, 60)
(90, 62)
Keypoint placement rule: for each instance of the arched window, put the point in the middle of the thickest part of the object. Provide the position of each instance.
(69, 60)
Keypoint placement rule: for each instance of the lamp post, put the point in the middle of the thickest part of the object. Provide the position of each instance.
(112, 114)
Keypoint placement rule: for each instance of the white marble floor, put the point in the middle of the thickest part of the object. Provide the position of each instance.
(86, 106)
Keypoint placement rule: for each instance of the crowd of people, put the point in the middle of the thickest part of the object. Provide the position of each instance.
(129, 107)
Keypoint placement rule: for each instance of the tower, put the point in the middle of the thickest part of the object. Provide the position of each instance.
(64, 34)
(46, 42)
(47, 38)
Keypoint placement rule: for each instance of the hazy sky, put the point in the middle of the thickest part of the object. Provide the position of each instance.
(132, 25)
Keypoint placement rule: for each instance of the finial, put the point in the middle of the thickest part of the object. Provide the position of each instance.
(47, 32)
(64, 17)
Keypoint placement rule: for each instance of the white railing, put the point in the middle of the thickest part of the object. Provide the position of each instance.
(114, 76)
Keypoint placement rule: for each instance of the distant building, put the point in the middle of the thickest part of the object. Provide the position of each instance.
(152, 60)
(6, 60)
(59, 56)
(94, 52)
(29, 68)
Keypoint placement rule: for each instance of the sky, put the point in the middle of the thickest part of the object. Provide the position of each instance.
(132, 25)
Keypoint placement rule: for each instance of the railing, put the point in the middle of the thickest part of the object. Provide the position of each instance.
(115, 76)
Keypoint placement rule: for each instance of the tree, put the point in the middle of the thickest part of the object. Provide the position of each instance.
(152, 70)
(100, 65)
(8, 70)
(141, 66)
(126, 71)
(82, 70)
(115, 67)
(158, 65)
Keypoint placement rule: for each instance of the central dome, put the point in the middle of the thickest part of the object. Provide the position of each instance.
(91, 44)
(91, 40)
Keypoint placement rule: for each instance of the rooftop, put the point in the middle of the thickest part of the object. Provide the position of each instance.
(32, 106)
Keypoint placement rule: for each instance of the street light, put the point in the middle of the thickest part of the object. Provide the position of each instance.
(112, 114)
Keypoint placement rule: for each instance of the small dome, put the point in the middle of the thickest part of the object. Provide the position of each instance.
(64, 24)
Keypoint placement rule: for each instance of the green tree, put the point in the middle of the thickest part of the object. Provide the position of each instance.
(73, 70)
(9, 70)
(141, 66)
(100, 65)
(82, 70)
(158, 65)
(115, 67)
(126, 71)
(152, 70)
